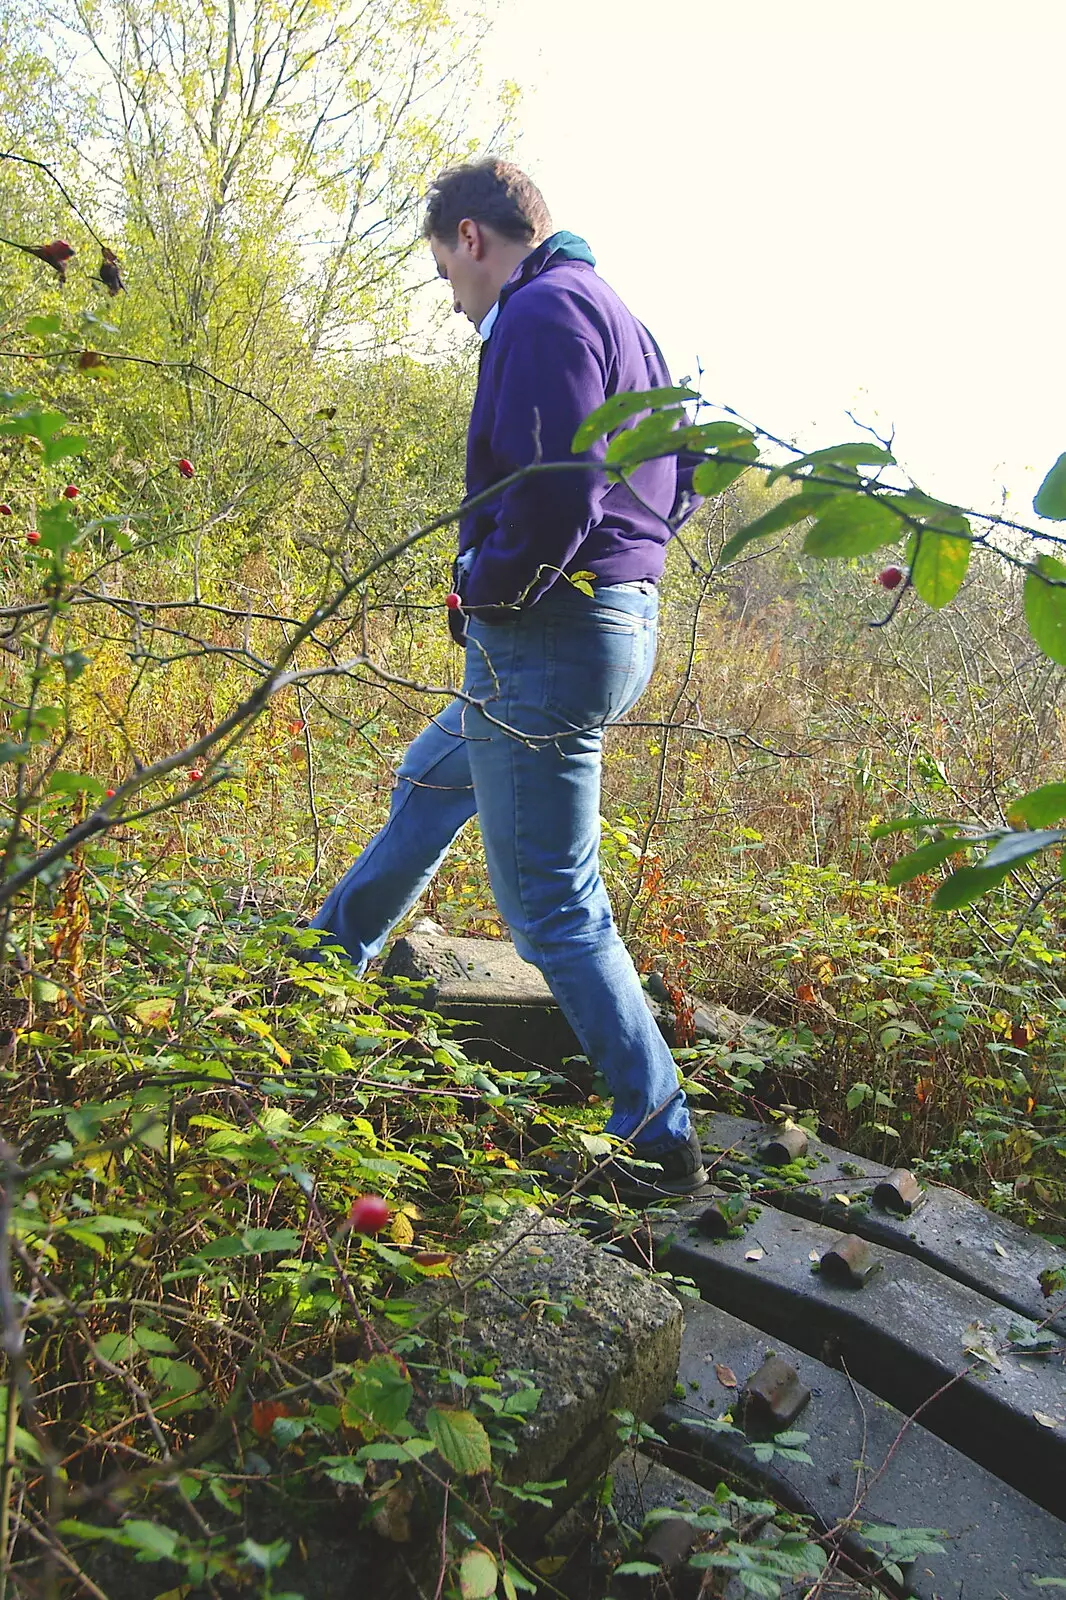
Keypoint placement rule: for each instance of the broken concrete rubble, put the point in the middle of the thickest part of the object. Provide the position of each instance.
(596, 1335)
(504, 1012)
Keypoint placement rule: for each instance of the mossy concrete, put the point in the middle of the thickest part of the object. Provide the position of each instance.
(595, 1333)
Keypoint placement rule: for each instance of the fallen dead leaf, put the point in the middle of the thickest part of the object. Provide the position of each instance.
(263, 1414)
(1047, 1422)
(754, 1255)
(726, 1376)
(998, 1248)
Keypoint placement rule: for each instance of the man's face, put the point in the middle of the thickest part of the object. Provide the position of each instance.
(462, 266)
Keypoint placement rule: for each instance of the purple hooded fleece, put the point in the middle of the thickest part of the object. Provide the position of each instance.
(563, 342)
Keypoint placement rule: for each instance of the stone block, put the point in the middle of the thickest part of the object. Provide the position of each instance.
(595, 1333)
(503, 1012)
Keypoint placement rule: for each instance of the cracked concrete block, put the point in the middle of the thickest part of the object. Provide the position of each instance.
(596, 1334)
(503, 1011)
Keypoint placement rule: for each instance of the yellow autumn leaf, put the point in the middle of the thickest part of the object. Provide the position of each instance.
(400, 1229)
(101, 1165)
(154, 1013)
(259, 1027)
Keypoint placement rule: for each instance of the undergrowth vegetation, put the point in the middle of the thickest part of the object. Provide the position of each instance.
(228, 497)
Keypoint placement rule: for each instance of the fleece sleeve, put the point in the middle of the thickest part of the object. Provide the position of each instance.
(549, 378)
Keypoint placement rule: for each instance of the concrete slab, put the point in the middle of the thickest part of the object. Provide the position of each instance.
(903, 1335)
(593, 1332)
(997, 1541)
(948, 1230)
(503, 1011)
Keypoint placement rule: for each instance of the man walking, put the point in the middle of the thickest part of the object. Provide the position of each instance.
(547, 665)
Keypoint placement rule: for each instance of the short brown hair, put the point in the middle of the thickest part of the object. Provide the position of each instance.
(491, 192)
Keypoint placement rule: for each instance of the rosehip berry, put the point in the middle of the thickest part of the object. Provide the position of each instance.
(186, 468)
(33, 537)
(195, 775)
(369, 1214)
(71, 492)
(891, 577)
(5, 510)
(452, 601)
(110, 793)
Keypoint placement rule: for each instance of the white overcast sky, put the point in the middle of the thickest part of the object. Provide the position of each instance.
(830, 205)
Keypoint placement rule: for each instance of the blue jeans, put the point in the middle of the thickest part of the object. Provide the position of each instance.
(527, 758)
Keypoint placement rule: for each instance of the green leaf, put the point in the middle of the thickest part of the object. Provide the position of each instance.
(712, 476)
(938, 561)
(967, 885)
(261, 1241)
(86, 1530)
(478, 1573)
(34, 423)
(343, 1469)
(1050, 498)
(1040, 807)
(68, 444)
(10, 751)
(905, 824)
(852, 525)
(459, 1438)
(620, 407)
(25, 1443)
(925, 858)
(655, 435)
(266, 1556)
(155, 1542)
(57, 528)
(380, 1395)
(1014, 848)
(220, 1249)
(837, 455)
(75, 783)
(792, 509)
(176, 1377)
(43, 327)
(149, 1339)
(115, 1225)
(716, 436)
(522, 1403)
(638, 1569)
(406, 1450)
(1045, 607)
(74, 664)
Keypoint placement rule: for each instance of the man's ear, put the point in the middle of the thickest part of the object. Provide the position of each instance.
(472, 236)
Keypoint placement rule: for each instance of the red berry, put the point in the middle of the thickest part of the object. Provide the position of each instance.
(5, 510)
(891, 577)
(33, 537)
(186, 468)
(71, 492)
(452, 601)
(110, 793)
(369, 1214)
(195, 775)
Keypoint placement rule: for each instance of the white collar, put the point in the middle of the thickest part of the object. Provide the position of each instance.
(486, 326)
